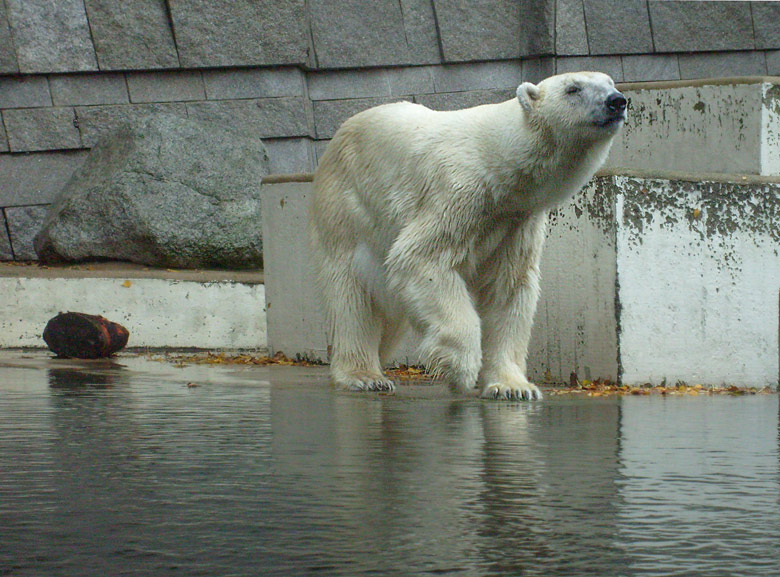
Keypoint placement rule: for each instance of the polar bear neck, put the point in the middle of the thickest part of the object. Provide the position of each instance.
(523, 155)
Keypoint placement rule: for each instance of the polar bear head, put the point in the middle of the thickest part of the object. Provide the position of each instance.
(586, 103)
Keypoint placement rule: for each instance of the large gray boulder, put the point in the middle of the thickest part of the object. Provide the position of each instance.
(166, 192)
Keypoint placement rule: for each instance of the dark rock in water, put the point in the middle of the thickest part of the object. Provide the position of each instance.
(83, 336)
(168, 192)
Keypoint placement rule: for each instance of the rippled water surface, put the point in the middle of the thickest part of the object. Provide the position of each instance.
(120, 468)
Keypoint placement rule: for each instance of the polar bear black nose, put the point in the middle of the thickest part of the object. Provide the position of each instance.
(616, 102)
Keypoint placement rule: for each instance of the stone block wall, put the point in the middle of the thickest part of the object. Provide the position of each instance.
(290, 71)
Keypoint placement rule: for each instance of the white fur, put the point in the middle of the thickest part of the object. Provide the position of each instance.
(437, 220)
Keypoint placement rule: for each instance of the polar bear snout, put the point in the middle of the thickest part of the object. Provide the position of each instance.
(616, 103)
(614, 111)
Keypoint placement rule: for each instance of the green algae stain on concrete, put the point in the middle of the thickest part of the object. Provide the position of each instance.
(596, 202)
(720, 214)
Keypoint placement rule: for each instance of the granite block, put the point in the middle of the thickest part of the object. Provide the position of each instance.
(773, 62)
(460, 100)
(420, 30)
(477, 76)
(36, 178)
(3, 139)
(263, 118)
(330, 114)
(171, 86)
(611, 65)
(701, 26)
(24, 92)
(290, 155)
(494, 29)
(96, 121)
(132, 35)
(24, 222)
(722, 64)
(766, 24)
(537, 21)
(33, 129)
(5, 242)
(355, 33)
(8, 63)
(253, 83)
(537, 69)
(618, 27)
(51, 35)
(320, 146)
(650, 67)
(571, 37)
(368, 83)
(213, 33)
(88, 89)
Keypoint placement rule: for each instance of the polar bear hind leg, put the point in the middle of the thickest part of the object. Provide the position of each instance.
(357, 329)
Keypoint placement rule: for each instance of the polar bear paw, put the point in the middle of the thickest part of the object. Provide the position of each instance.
(367, 382)
(515, 392)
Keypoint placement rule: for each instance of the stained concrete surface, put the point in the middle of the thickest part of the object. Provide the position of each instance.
(160, 307)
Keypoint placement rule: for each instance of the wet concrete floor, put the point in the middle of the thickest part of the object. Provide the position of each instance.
(138, 467)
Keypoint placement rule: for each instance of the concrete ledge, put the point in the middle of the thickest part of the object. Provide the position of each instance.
(723, 125)
(127, 271)
(160, 308)
(615, 171)
(726, 81)
(284, 178)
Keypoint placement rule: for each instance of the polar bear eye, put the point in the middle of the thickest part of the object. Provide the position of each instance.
(573, 89)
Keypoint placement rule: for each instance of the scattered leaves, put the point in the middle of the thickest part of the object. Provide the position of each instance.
(409, 373)
(605, 387)
(236, 359)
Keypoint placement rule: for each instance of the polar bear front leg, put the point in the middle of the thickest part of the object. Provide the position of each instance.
(438, 304)
(508, 293)
(440, 307)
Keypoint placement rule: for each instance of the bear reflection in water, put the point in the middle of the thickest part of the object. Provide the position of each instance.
(435, 221)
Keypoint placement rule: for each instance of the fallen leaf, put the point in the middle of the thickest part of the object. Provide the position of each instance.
(127, 284)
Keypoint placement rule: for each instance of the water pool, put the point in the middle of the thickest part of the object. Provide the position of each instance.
(137, 467)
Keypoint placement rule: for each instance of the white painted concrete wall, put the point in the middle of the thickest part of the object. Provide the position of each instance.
(699, 275)
(575, 327)
(157, 312)
(296, 320)
(716, 126)
(670, 278)
(770, 126)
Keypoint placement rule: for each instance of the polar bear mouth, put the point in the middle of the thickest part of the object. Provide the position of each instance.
(610, 120)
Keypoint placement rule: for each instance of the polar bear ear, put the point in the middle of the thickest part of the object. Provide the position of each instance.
(527, 94)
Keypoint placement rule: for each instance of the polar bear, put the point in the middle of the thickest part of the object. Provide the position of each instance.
(436, 220)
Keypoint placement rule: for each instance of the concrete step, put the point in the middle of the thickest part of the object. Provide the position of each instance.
(160, 308)
(723, 125)
(646, 277)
